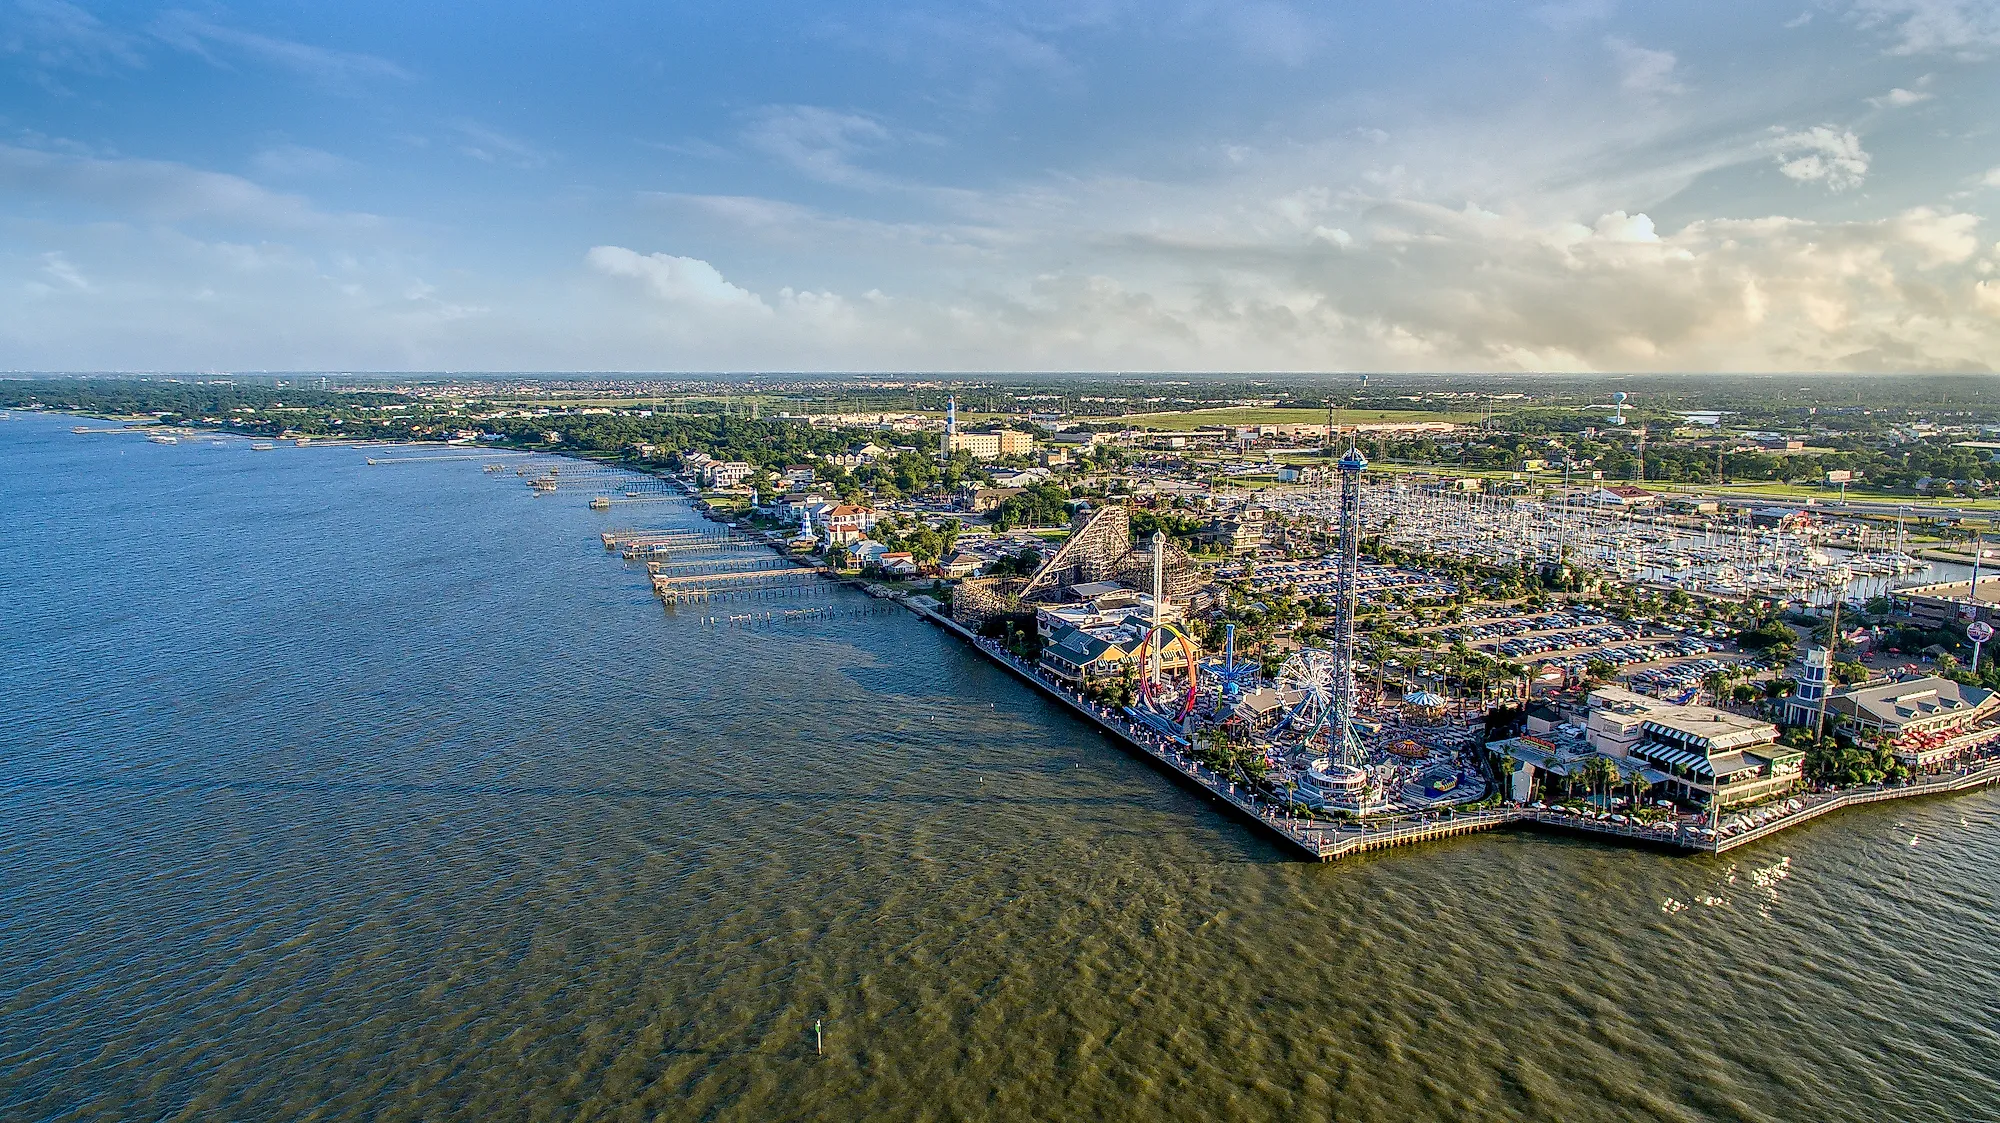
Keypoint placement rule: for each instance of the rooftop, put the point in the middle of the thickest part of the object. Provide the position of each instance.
(1895, 703)
(1703, 727)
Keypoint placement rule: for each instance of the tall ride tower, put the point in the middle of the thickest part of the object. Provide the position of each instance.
(1346, 693)
(945, 449)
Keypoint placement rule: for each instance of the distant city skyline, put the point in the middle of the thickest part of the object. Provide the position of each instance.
(1089, 186)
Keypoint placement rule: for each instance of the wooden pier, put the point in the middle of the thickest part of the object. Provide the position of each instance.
(641, 540)
(674, 588)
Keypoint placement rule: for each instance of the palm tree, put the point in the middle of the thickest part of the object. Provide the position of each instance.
(1638, 784)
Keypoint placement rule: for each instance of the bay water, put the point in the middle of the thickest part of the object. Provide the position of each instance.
(349, 792)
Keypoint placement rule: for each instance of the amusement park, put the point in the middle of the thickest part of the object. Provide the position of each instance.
(1311, 736)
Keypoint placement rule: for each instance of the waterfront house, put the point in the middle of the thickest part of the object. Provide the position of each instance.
(898, 563)
(846, 522)
(726, 473)
(961, 563)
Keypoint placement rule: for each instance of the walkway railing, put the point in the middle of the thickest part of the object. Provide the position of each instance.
(1330, 841)
(1821, 804)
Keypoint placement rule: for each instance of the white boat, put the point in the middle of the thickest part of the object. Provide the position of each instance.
(262, 446)
(164, 439)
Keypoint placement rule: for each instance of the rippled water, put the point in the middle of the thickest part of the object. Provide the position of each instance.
(384, 793)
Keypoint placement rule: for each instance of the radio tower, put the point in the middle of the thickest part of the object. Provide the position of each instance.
(1345, 694)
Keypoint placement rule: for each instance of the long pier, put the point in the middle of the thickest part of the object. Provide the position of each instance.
(630, 540)
(674, 588)
(728, 563)
(486, 455)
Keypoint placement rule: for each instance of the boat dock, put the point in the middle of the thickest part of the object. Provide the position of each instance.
(674, 588)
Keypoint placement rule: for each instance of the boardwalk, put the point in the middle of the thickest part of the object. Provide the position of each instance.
(1317, 840)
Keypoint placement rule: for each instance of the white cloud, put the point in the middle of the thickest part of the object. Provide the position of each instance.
(1822, 154)
(55, 35)
(1499, 294)
(1621, 227)
(1900, 98)
(1412, 286)
(297, 161)
(57, 265)
(1642, 70)
(681, 282)
(1564, 15)
(1968, 28)
(1991, 178)
(785, 223)
(157, 190)
(492, 146)
(820, 143)
(212, 41)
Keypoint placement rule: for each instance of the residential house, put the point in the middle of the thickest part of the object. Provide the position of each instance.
(726, 473)
(846, 522)
(980, 500)
(1020, 479)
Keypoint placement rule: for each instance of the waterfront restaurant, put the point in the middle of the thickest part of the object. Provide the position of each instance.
(1925, 705)
(1927, 721)
(1703, 752)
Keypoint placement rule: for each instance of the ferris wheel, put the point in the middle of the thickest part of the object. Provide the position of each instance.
(1311, 674)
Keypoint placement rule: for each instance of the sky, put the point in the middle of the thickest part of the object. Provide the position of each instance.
(1039, 185)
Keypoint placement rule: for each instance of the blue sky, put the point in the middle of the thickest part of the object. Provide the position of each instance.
(1090, 185)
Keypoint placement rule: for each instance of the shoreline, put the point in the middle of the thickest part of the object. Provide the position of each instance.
(1329, 841)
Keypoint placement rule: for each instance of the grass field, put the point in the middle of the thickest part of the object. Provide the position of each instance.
(1242, 415)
